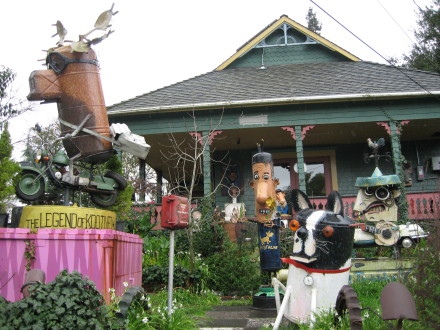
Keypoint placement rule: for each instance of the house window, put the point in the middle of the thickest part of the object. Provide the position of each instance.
(317, 172)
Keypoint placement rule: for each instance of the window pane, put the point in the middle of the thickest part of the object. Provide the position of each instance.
(282, 172)
(315, 180)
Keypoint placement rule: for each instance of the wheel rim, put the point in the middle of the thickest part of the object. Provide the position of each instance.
(29, 185)
(105, 197)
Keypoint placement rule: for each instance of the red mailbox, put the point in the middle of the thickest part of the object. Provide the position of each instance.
(175, 213)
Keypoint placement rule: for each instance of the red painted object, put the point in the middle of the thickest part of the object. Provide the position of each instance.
(175, 213)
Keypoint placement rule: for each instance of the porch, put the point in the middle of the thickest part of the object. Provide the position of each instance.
(421, 206)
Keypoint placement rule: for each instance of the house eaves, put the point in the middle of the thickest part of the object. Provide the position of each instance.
(274, 101)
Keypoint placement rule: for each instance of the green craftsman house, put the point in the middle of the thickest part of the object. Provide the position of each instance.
(313, 103)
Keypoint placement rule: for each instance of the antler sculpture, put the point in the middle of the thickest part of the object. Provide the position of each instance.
(84, 43)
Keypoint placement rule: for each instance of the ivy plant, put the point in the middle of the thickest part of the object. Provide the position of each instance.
(69, 302)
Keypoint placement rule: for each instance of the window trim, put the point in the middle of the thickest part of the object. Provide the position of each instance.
(328, 157)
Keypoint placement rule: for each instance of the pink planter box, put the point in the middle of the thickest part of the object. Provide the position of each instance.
(108, 257)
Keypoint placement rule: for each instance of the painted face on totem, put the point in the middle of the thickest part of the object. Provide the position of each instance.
(377, 203)
(264, 184)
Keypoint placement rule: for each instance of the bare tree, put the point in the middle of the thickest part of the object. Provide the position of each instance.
(144, 187)
(185, 157)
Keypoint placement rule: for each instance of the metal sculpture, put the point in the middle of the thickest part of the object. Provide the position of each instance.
(320, 262)
(377, 202)
(72, 80)
(396, 303)
(234, 212)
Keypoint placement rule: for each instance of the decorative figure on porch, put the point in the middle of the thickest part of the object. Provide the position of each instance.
(377, 202)
(282, 206)
(234, 212)
(264, 184)
(321, 259)
(375, 146)
(232, 178)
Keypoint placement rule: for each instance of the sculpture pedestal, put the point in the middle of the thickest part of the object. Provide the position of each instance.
(108, 257)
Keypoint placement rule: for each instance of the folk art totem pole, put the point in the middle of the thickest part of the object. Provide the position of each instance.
(264, 184)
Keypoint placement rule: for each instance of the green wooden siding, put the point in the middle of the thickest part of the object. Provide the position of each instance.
(311, 53)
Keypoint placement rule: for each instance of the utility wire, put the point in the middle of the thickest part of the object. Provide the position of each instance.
(417, 5)
(396, 22)
(392, 65)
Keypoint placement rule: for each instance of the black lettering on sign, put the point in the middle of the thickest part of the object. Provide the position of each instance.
(70, 220)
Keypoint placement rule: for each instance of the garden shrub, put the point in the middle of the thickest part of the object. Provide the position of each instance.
(425, 280)
(209, 236)
(233, 272)
(138, 220)
(69, 302)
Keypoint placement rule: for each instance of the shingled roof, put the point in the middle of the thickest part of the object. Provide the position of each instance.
(295, 83)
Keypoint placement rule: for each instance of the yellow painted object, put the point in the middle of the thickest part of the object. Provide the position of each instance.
(380, 269)
(66, 217)
(371, 269)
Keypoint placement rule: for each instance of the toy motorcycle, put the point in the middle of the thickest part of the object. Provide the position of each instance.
(57, 169)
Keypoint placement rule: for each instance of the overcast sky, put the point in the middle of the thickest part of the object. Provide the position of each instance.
(158, 43)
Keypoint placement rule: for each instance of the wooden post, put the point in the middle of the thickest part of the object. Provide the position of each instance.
(300, 158)
(206, 165)
(142, 175)
(159, 186)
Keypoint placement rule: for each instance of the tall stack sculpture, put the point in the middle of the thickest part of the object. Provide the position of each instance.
(264, 184)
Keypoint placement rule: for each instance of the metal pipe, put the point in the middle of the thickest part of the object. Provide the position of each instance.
(282, 308)
(171, 274)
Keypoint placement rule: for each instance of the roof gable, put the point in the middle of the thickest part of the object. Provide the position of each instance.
(286, 42)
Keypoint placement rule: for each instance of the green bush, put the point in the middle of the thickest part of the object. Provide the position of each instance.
(425, 280)
(233, 272)
(69, 302)
(138, 220)
(209, 236)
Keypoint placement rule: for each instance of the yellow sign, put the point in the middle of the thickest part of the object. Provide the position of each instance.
(66, 217)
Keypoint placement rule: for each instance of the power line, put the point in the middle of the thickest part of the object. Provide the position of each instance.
(396, 22)
(380, 55)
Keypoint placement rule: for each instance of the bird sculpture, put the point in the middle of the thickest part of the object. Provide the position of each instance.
(375, 146)
(61, 32)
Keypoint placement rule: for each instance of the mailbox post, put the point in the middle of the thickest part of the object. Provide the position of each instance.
(175, 215)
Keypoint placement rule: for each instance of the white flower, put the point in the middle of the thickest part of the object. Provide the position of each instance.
(145, 320)
(111, 290)
(125, 284)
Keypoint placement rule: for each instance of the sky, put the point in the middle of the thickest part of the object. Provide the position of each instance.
(159, 43)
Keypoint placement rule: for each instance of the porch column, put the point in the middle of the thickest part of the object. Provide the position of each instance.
(206, 163)
(300, 158)
(142, 175)
(395, 146)
(159, 186)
